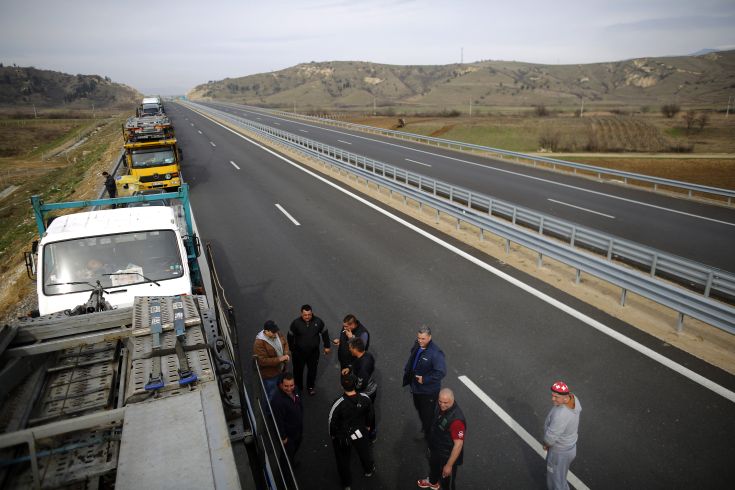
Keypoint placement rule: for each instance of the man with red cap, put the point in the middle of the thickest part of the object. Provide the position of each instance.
(560, 435)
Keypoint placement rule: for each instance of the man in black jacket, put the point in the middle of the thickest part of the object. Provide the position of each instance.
(288, 414)
(350, 420)
(351, 328)
(303, 338)
(446, 443)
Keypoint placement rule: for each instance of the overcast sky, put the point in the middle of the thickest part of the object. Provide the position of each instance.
(169, 47)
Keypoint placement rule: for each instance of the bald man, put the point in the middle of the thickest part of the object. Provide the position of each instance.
(446, 443)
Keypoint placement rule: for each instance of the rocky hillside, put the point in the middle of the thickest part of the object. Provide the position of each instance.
(698, 80)
(45, 88)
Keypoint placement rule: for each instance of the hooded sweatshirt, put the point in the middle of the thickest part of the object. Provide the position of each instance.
(560, 428)
(268, 351)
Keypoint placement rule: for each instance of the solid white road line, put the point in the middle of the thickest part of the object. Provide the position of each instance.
(516, 427)
(199, 131)
(192, 124)
(303, 130)
(234, 165)
(420, 163)
(582, 209)
(642, 349)
(519, 174)
(212, 143)
(288, 215)
(345, 142)
(277, 124)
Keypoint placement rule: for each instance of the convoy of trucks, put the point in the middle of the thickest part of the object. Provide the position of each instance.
(130, 376)
(152, 156)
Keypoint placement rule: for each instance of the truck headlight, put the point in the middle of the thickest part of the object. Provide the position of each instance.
(168, 176)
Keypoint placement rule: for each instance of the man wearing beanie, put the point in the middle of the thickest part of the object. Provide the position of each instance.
(560, 435)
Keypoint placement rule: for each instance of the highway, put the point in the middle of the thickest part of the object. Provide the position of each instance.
(695, 230)
(646, 422)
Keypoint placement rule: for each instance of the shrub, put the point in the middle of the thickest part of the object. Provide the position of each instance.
(540, 110)
(549, 140)
(670, 110)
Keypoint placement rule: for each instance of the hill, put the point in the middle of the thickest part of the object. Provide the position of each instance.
(22, 86)
(689, 80)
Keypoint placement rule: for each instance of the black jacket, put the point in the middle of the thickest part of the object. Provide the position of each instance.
(343, 352)
(304, 337)
(363, 369)
(440, 439)
(110, 184)
(288, 414)
(431, 365)
(351, 413)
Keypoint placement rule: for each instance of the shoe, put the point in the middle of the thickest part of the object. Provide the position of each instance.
(425, 483)
(312, 391)
(371, 472)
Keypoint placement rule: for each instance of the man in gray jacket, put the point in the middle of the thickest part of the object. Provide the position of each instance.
(560, 435)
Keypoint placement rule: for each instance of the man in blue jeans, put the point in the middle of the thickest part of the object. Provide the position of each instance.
(423, 372)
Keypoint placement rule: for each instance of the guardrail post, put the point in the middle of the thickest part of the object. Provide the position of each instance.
(653, 265)
(578, 276)
(482, 234)
(573, 237)
(541, 226)
(679, 322)
(708, 286)
(609, 250)
(514, 215)
(623, 296)
(507, 246)
(540, 260)
(437, 216)
(458, 224)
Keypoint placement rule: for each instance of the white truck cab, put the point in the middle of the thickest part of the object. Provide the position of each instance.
(135, 251)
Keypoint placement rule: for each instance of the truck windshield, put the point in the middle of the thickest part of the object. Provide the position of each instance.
(154, 157)
(76, 265)
(150, 109)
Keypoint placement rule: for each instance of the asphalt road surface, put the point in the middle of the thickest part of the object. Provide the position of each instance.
(698, 231)
(643, 425)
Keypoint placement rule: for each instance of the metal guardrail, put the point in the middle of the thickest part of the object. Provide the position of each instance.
(649, 285)
(689, 189)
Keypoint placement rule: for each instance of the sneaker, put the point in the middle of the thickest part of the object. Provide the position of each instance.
(371, 472)
(425, 483)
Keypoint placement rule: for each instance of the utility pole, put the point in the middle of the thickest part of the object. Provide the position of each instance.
(727, 112)
(35, 114)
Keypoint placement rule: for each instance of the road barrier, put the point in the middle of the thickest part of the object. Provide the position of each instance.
(537, 232)
(657, 184)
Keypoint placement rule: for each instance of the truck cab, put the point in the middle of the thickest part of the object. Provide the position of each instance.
(130, 251)
(152, 157)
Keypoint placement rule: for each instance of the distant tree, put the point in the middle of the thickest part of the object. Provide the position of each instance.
(702, 120)
(690, 118)
(540, 110)
(670, 110)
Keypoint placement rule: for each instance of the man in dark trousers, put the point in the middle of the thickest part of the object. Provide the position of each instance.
(423, 372)
(303, 337)
(446, 443)
(350, 420)
(288, 414)
(351, 327)
(110, 186)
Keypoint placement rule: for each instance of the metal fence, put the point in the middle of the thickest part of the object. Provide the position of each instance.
(601, 173)
(537, 232)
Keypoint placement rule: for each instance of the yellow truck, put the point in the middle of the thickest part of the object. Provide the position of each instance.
(152, 157)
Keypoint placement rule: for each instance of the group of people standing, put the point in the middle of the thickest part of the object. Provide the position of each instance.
(352, 421)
